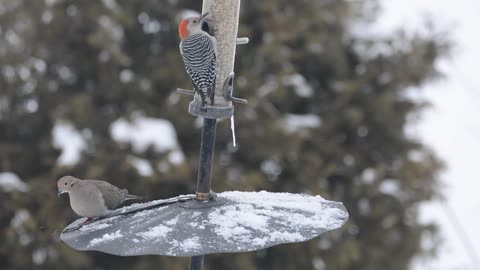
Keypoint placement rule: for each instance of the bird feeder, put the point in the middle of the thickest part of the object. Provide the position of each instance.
(205, 223)
(222, 23)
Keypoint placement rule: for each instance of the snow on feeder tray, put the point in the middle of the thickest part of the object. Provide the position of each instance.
(233, 222)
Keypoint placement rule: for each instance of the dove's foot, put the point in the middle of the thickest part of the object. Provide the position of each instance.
(89, 220)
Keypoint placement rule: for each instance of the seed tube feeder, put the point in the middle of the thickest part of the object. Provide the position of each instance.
(222, 23)
(205, 223)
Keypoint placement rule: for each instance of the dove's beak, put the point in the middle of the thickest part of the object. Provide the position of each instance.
(203, 16)
(60, 193)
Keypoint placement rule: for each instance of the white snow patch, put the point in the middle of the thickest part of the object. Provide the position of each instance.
(172, 221)
(293, 122)
(368, 176)
(9, 182)
(233, 221)
(126, 76)
(416, 155)
(176, 157)
(39, 256)
(111, 4)
(159, 231)
(364, 207)
(17, 222)
(286, 236)
(300, 85)
(349, 160)
(66, 74)
(144, 168)
(68, 138)
(94, 226)
(319, 264)
(151, 26)
(271, 168)
(389, 186)
(105, 237)
(270, 199)
(21, 216)
(111, 27)
(143, 132)
(238, 223)
(191, 243)
(140, 214)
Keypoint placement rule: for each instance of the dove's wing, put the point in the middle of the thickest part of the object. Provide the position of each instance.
(112, 195)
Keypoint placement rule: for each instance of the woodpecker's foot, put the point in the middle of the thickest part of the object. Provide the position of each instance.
(203, 109)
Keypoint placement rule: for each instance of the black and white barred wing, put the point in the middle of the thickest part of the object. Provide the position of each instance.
(198, 52)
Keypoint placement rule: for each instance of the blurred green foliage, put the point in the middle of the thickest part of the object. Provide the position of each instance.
(62, 61)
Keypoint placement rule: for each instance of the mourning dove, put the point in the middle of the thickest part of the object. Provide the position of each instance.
(92, 198)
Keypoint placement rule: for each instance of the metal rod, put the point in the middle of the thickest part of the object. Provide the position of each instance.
(196, 262)
(207, 148)
(239, 100)
(185, 91)
(204, 179)
(242, 40)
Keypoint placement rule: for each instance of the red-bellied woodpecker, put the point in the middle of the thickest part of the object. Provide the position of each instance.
(199, 52)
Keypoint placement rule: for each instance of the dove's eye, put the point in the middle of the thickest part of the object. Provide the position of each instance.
(66, 184)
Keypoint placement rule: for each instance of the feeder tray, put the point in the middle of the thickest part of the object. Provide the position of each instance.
(233, 222)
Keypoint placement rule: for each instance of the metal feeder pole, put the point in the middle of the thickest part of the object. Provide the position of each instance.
(207, 148)
(196, 262)
(223, 25)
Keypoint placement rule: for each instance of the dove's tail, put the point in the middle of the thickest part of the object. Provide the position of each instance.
(133, 197)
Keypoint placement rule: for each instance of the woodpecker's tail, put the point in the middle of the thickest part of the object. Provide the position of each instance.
(211, 94)
(201, 93)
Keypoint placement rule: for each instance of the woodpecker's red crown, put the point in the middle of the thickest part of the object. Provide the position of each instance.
(182, 28)
(190, 23)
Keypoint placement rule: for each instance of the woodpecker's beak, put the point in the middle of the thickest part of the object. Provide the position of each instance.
(203, 16)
